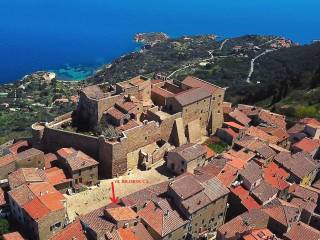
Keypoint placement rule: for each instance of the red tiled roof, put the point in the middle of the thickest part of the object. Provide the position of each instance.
(32, 194)
(26, 175)
(73, 231)
(276, 176)
(49, 160)
(227, 175)
(7, 159)
(76, 159)
(234, 125)
(161, 92)
(115, 113)
(232, 133)
(260, 234)
(64, 152)
(256, 132)
(311, 121)
(185, 186)
(56, 176)
(237, 163)
(12, 236)
(210, 152)
(36, 209)
(240, 191)
(18, 146)
(191, 96)
(240, 117)
(272, 118)
(162, 218)
(307, 145)
(194, 82)
(127, 126)
(250, 203)
(300, 231)
(138, 232)
(121, 213)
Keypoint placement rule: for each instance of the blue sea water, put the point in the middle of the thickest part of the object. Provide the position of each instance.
(73, 37)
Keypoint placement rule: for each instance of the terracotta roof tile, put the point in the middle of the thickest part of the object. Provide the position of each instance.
(161, 92)
(300, 231)
(276, 176)
(307, 145)
(36, 209)
(256, 132)
(73, 231)
(186, 186)
(191, 96)
(26, 175)
(130, 124)
(115, 113)
(234, 125)
(249, 203)
(240, 117)
(272, 118)
(190, 151)
(138, 232)
(19, 147)
(227, 175)
(121, 213)
(194, 82)
(50, 160)
(260, 234)
(76, 159)
(38, 198)
(240, 191)
(56, 176)
(298, 164)
(311, 121)
(264, 192)
(161, 217)
(12, 236)
(7, 159)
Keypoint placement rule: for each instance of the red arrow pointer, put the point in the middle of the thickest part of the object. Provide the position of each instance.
(113, 199)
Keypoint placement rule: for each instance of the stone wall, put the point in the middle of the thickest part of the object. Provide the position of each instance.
(7, 169)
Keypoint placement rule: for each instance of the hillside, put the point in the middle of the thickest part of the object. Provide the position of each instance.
(282, 77)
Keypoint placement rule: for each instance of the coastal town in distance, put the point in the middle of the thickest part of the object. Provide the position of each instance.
(161, 156)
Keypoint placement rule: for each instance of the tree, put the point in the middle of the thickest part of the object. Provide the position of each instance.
(4, 226)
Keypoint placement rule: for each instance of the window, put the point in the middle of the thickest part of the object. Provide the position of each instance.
(79, 172)
(145, 138)
(55, 226)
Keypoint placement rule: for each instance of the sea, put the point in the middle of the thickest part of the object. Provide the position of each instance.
(75, 37)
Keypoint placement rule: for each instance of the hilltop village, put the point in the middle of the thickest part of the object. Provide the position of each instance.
(189, 165)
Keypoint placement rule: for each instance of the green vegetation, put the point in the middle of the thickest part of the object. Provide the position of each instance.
(286, 81)
(4, 227)
(218, 147)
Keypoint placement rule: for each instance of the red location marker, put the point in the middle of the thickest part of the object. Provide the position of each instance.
(113, 199)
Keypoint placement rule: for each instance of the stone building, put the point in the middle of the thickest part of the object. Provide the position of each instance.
(79, 166)
(31, 158)
(39, 209)
(137, 119)
(186, 158)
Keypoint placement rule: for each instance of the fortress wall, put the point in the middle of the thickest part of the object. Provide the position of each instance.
(217, 109)
(88, 109)
(54, 139)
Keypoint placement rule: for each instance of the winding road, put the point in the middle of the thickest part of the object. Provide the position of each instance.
(202, 60)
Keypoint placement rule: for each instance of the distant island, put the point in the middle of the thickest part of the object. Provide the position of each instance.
(270, 71)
